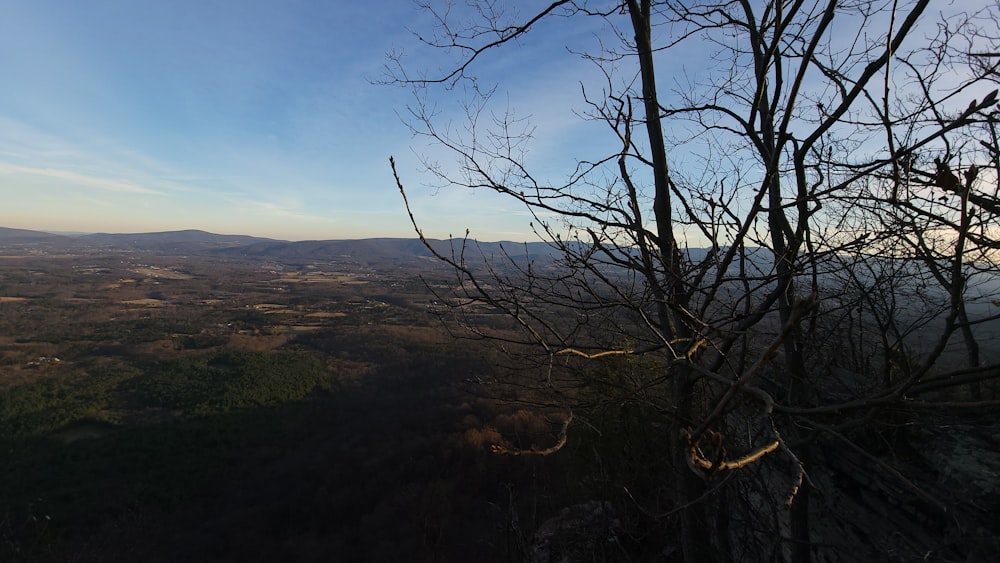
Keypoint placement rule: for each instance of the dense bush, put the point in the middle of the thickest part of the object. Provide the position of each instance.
(231, 380)
(47, 404)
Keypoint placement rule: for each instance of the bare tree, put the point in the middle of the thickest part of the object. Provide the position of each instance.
(768, 242)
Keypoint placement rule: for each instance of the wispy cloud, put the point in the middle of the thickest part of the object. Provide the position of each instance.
(105, 184)
(275, 210)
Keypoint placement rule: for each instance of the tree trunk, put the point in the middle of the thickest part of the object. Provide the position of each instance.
(696, 536)
(695, 528)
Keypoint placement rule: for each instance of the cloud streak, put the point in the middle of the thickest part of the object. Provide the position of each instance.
(276, 210)
(96, 182)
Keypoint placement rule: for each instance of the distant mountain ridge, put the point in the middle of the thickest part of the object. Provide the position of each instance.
(190, 239)
(24, 235)
(203, 242)
(379, 249)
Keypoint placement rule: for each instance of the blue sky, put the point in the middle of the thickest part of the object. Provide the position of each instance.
(250, 117)
(260, 117)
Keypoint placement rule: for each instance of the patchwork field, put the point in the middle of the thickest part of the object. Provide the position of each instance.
(162, 409)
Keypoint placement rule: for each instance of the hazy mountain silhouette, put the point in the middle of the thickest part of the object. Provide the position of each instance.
(187, 241)
(26, 236)
(382, 249)
(368, 250)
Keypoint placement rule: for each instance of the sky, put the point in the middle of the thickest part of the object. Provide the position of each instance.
(266, 118)
(250, 117)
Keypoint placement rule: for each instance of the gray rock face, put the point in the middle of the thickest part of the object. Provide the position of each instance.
(583, 532)
(931, 495)
(944, 504)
